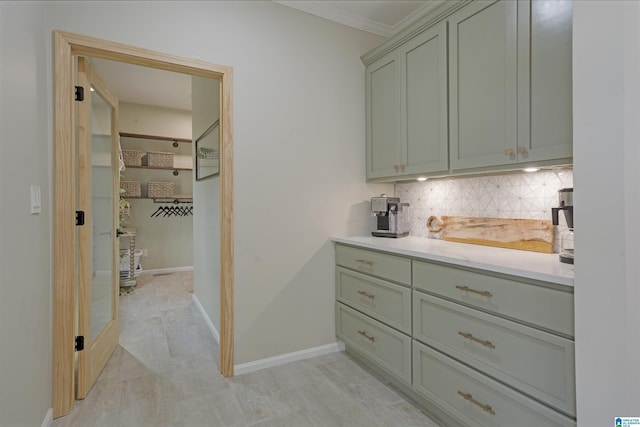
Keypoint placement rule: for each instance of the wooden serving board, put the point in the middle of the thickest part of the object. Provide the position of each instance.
(524, 234)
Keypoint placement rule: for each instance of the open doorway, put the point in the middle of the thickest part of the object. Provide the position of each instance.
(67, 46)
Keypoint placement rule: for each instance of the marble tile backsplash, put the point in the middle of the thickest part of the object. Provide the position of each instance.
(517, 195)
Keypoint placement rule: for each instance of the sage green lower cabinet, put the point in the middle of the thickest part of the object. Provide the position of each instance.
(474, 347)
(385, 266)
(385, 301)
(538, 304)
(537, 363)
(473, 398)
(385, 346)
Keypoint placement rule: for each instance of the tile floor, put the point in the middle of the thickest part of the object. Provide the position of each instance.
(164, 374)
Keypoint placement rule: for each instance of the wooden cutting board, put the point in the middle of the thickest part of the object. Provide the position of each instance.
(523, 234)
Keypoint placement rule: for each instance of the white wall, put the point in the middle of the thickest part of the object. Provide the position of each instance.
(25, 240)
(169, 240)
(206, 202)
(298, 147)
(606, 175)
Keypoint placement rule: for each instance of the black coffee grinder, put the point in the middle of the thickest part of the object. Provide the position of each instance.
(565, 196)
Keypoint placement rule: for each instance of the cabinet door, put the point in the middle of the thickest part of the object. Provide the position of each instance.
(544, 80)
(423, 94)
(383, 117)
(483, 85)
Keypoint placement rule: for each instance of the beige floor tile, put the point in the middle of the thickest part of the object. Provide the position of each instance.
(164, 374)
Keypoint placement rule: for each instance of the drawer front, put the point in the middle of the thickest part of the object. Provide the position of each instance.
(384, 301)
(537, 363)
(545, 307)
(475, 399)
(386, 347)
(390, 267)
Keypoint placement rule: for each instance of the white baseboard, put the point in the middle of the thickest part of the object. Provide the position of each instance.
(270, 362)
(166, 270)
(212, 327)
(48, 419)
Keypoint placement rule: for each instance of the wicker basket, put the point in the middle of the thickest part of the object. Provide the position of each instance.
(131, 188)
(132, 157)
(160, 189)
(157, 159)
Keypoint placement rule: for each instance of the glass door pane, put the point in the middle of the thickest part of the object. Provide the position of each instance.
(102, 198)
(97, 119)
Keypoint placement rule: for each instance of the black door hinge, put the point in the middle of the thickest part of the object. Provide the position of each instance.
(79, 343)
(79, 93)
(79, 217)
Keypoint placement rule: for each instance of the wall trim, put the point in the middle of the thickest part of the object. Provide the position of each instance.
(207, 319)
(270, 362)
(48, 419)
(165, 270)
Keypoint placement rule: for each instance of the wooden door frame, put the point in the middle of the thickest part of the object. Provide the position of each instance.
(66, 46)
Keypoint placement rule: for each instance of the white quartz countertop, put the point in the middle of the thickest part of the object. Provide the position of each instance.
(532, 265)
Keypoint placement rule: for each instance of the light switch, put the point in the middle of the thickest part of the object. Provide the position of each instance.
(36, 208)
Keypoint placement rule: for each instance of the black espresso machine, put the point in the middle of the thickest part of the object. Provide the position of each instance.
(392, 217)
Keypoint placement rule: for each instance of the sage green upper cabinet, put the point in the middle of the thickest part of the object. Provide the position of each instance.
(510, 83)
(483, 84)
(407, 108)
(423, 95)
(545, 80)
(383, 116)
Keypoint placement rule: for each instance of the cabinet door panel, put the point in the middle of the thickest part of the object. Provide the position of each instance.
(475, 399)
(387, 347)
(383, 116)
(545, 80)
(483, 84)
(535, 362)
(382, 300)
(372, 263)
(541, 306)
(423, 61)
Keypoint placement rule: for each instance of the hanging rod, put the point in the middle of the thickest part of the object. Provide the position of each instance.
(156, 137)
(174, 200)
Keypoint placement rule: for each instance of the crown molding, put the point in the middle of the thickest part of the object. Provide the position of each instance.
(423, 10)
(326, 10)
(332, 13)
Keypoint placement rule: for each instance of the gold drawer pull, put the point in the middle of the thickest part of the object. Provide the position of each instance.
(364, 294)
(469, 397)
(472, 338)
(364, 261)
(364, 334)
(468, 289)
